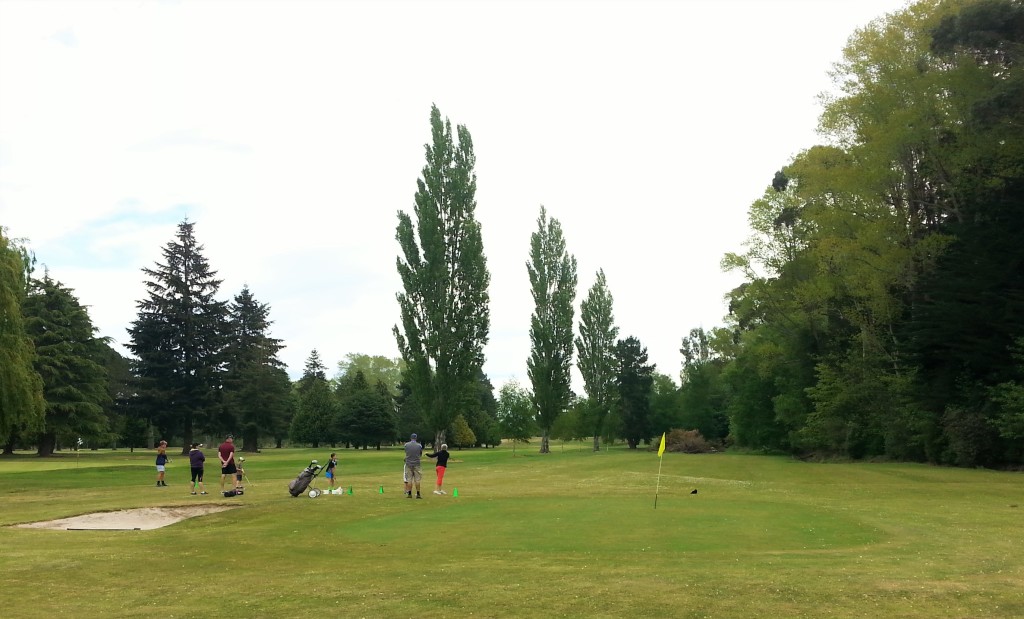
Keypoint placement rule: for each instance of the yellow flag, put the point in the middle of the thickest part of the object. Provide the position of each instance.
(661, 448)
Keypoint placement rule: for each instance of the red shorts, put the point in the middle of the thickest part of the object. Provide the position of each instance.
(440, 475)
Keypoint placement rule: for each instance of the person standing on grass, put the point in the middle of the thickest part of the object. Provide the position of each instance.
(197, 460)
(240, 472)
(161, 463)
(332, 464)
(411, 474)
(227, 462)
(442, 465)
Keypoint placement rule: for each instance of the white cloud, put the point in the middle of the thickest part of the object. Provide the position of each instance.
(292, 133)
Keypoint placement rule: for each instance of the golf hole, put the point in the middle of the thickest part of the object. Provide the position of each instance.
(141, 519)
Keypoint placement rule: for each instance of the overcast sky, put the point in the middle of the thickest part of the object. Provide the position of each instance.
(292, 133)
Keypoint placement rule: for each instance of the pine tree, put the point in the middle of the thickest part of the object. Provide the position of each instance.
(634, 380)
(67, 350)
(552, 273)
(314, 420)
(257, 392)
(178, 341)
(367, 412)
(444, 306)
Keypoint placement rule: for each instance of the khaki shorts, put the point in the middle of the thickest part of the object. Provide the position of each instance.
(412, 474)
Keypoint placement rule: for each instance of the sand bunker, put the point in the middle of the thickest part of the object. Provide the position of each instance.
(141, 519)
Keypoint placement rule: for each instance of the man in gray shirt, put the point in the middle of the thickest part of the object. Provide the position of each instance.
(411, 474)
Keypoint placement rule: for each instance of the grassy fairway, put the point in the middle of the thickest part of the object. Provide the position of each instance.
(570, 534)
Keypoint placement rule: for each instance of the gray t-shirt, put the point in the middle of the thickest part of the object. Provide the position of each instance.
(413, 451)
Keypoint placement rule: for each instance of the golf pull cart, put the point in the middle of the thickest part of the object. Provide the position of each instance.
(308, 475)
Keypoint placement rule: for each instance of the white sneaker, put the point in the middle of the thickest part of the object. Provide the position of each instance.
(443, 492)
(437, 492)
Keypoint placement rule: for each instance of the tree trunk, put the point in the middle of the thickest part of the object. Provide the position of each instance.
(47, 443)
(597, 443)
(439, 439)
(9, 447)
(545, 445)
(188, 436)
(250, 439)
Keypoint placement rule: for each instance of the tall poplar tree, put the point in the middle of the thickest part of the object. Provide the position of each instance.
(178, 340)
(595, 348)
(21, 388)
(444, 306)
(553, 279)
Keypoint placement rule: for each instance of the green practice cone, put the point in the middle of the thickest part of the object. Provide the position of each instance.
(455, 492)
(382, 489)
(350, 490)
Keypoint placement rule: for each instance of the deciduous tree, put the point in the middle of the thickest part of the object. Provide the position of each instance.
(444, 305)
(21, 388)
(515, 413)
(595, 348)
(552, 273)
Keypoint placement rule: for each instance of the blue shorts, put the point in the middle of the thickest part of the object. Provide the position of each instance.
(329, 474)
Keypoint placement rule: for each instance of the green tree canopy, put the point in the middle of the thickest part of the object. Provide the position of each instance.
(515, 413)
(21, 389)
(444, 305)
(595, 348)
(67, 354)
(178, 340)
(552, 272)
(257, 391)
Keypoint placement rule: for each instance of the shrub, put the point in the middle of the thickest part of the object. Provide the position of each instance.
(687, 441)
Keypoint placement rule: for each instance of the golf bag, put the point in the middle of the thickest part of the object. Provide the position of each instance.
(234, 492)
(298, 485)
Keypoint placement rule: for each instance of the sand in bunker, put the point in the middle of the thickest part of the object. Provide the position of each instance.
(144, 518)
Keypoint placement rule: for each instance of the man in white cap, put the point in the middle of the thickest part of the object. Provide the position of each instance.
(411, 474)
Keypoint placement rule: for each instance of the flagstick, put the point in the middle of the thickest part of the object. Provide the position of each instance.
(658, 486)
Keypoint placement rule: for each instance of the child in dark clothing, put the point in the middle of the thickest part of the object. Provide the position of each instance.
(197, 460)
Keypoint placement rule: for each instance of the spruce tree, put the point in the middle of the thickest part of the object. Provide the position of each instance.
(67, 352)
(257, 391)
(444, 306)
(314, 420)
(178, 341)
(367, 412)
(634, 379)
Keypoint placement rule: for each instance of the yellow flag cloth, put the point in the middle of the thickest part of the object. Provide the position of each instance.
(661, 448)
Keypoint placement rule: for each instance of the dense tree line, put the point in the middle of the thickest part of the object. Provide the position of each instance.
(883, 308)
(880, 312)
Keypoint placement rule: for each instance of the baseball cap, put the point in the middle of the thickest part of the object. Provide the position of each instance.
(413, 435)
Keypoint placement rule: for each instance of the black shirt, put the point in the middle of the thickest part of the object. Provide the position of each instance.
(442, 457)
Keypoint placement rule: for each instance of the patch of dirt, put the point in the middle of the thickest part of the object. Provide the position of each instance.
(142, 519)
